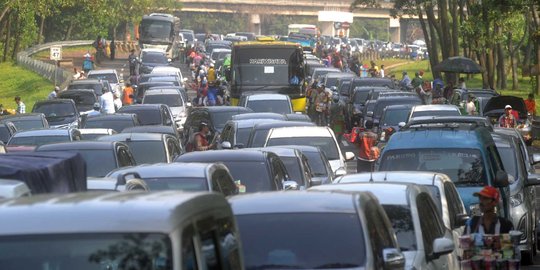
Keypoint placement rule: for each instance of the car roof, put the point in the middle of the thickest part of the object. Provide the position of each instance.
(102, 71)
(153, 50)
(140, 107)
(225, 156)
(161, 91)
(57, 100)
(96, 130)
(22, 117)
(105, 212)
(149, 128)
(225, 109)
(133, 137)
(76, 91)
(42, 132)
(79, 145)
(280, 123)
(398, 107)
(386, 192)
(340, 74)
(166, 68)
(417, 177)
(295, 202)
(110, 117)
(302, 148)
(249, 123)
(435, 107)
(257, 97)
(282, 151)
(465, 137)
(86, 81)
(309, 131)
(165, 170)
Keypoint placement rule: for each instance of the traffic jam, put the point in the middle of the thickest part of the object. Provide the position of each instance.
(241, 151)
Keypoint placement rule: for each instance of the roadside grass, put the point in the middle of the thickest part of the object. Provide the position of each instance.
(66, 50)
(18, 81)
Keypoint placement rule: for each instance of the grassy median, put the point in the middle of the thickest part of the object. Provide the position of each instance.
(18, 81)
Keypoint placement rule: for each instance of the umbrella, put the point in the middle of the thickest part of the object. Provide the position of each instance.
(458, 64)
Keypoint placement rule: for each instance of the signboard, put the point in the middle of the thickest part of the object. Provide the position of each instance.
(56, 53)
(345, 25)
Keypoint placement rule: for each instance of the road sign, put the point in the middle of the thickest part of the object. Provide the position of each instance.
(56, 53)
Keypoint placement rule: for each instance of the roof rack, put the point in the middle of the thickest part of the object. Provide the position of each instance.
(448, 121)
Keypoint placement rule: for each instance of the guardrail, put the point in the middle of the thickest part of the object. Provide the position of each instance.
(49, 71)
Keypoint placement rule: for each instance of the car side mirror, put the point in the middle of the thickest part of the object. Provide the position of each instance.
(401, 124)
(349, 156)
(315, 182)
(370, 113)
(501, 179)
(442, 246)
(460, 220)
(533, 180)
(239, 146)
(226, 145)
(535, 159)
(290, 185)
(393, 258)
(340, 172)
(121, 179)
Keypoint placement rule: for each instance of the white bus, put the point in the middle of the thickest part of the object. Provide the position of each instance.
(309, 29)
(161, 31)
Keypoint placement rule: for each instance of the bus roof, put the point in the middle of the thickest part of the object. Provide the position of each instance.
(265, 43)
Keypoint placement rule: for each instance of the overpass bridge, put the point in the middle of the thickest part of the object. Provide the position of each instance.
(257, 8)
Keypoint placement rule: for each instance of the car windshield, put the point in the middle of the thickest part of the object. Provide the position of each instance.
(220, 118)
(330, 81)
(98, 162)
(91, 137)
(147, 117)
(147, 152)
(170, 100)
(37, 140)
(177, 183)
(402, 222)
(258, 137)
(294, 241)
(293, 169)
(326, 144)
(381, 105)
(55, 109)
(463, 166)
(4, 133)
(86, 251)
(154, 58)
(243, 171)
(242, 135)
(316, 163)
(116, 125)
(80, 99)
(275, 106)
(508, 157)
(264, 67)
(111, 78)
(436, 113)
(394, 117)
(22, 125)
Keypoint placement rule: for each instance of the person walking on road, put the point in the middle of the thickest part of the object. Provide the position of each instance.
(337, 117)
(127, 95)
(87, 64)
(201, 143)
(112, 48)
(321, 103)
(54, 93)
(489, 222)
(530, 104)
(368, 153)
(107, 102)
(132, 59)
(21, 108)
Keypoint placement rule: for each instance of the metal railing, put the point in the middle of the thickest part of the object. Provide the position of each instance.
(49, 71)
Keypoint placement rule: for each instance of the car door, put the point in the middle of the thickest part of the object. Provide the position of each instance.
(278, 172)
(380, 232)
(226, 134)
(432, 227)
(306, 170)
(173, 148)
(125, 158)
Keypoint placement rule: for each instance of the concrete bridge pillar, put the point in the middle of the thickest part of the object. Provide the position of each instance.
(395, 30)
(255, 23)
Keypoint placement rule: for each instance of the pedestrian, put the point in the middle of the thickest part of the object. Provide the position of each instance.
(127, 95)
(54, 93)
(367, 152)
(82, 76)
(211, 73)
(381, 72)
(88, 64)
(470, 107)
(132, 61)
(405, 81)
(21, 108)
(117, 101)
(489, 222)
(461, 83)
(212, 93)
(337, 117)
(76, 74)
(321, 102)
(449, 91)
(417, 81)
(96, 111)
(201, 142)
(530, 104)
(112, 47)
(507, 120)
(107, 101)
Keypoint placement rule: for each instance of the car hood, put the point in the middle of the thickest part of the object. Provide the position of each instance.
(177, 110)
(20, 148)
(60, 120)
(495, 106)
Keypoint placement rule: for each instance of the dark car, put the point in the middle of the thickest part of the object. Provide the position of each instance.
(331, 79)
(271, 173)
(383, 102)
(393, 117)
(7, 129)
(322, 71)
(371, 82)
(311, 65)
(236, 132)
(461, 96)
(259, 132)
(30, 139)
(151, 114)
(26, 121)
(90, 134)
(84, 98)
(150, 58)
(60, 113)
(117, 121)
(148, 148)
(321, 171)
(100, 157)
(222, 44)
(298, 117)
(358, 100)
(214, 116)
(184, 176)
(260, 115)
(96, 85)
(250, 35)
(152, 129)
(287, 230)
(296, 163)
(142, 87)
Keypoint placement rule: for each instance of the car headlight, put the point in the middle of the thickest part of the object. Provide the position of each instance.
(516, 200)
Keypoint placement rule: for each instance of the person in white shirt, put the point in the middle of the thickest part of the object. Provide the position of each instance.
(117, 101)
(107, 101)
(54, 93)
(461, 83)
(96, 110)
(470, 107)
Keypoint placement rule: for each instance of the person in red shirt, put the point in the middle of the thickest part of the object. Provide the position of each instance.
(201, 143)
(530, 104)
(509, 118)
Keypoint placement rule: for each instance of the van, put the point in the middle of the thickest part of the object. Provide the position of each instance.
(119, 230)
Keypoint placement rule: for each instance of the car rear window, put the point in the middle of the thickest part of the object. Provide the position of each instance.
(326, 144)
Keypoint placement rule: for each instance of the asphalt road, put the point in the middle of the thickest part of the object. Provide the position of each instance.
(121, 66)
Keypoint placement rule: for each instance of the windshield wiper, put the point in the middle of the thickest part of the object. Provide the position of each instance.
(336, 265)
(275, 266)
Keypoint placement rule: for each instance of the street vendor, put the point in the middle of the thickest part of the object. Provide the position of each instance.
(489, 222)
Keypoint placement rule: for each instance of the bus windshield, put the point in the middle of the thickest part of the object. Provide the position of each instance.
(268, 66)
(156, 30)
